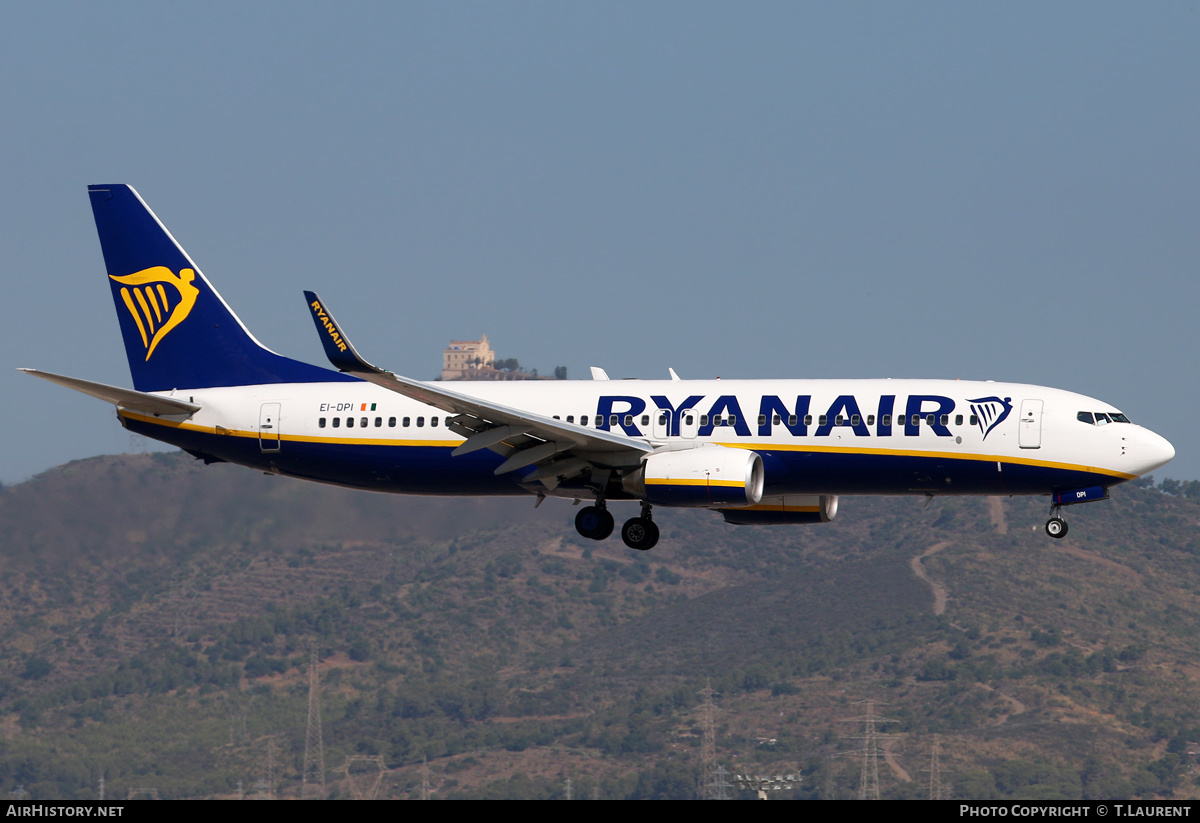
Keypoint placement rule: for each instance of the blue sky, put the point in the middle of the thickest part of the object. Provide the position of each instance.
(1006, 191)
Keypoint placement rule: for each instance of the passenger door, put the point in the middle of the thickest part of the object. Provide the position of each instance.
(1030, 433)
(268, 427)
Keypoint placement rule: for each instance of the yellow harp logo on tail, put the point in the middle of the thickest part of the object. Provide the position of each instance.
(155, 308)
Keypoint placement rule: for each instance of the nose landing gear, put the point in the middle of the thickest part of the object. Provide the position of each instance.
(1056, 527)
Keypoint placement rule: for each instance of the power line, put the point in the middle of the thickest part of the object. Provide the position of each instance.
(868, 786)
(312, 784)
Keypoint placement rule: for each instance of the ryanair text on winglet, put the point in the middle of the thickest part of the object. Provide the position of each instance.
(329, 327)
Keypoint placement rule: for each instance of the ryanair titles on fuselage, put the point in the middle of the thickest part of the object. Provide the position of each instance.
(930, 410)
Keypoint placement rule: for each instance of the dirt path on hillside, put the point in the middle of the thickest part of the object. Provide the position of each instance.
(918, 566)
(893, 763)
(1084, 554)
(1016, 705)
(996, 512)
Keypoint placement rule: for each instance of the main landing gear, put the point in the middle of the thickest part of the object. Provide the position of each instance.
(596, 523)
(640, 532)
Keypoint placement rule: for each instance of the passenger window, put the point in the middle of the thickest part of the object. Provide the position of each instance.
(974, 420)
(583, 420)
(731, 420)
(645, 420)
(916, 419)
(363, 422)
(929, 420)
(870, 420)
(808, 419)
(556, 417)
(337, 422)
(762, 419)
(958, 419)
(662, 420)
(1085, 417)
(855, 420)
(349, 422)
(945, 419)
(704, 420)
(687, 421)
(887, 420)
(321, 423)
(378, 422)
(792, 420)
(823, 418)
(391, 422)
(407, 422)
(839, 420)
(570, 418)
(629, 420)
(433, 421)
(775, 420)
(420, 422)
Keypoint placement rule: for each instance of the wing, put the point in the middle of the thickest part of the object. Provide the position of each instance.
(558, 450)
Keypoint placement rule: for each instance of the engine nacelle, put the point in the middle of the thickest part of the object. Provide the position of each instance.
(786, 510)
(710, 477)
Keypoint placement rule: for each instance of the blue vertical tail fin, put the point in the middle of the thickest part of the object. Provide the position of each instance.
(178, 332)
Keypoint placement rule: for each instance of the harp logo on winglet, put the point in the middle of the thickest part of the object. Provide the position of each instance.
(158, 300)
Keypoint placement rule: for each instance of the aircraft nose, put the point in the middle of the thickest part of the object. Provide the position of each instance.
(1153, 450)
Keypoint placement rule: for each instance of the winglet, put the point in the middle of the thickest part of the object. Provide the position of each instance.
(338, 348)
(599, 373)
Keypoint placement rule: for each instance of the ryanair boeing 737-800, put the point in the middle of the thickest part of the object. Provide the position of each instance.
(757, 451)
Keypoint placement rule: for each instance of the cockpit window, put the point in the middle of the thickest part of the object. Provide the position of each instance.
(1101, 418)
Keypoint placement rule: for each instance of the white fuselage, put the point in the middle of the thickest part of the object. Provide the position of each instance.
(816, 436)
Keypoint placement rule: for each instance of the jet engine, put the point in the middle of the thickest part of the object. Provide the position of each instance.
(785, 510)
(710, 477)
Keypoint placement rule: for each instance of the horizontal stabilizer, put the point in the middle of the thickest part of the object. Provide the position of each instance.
(125, 398)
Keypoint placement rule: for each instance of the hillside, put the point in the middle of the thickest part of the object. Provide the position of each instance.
(160, 616)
